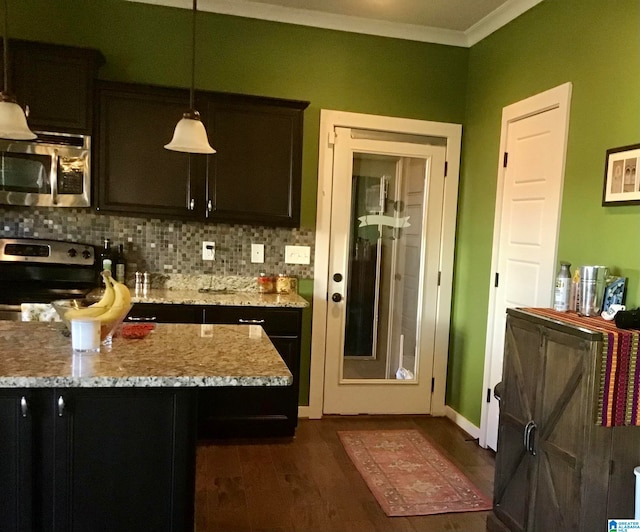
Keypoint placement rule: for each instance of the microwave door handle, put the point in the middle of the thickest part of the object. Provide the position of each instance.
(53, 178)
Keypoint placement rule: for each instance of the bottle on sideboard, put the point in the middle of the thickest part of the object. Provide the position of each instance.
(563, 288)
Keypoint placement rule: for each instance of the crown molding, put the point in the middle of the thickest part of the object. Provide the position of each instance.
(305, 17)
(507, 12)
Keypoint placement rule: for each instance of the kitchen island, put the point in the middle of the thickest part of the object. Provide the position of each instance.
(107, 441)
(232, 412)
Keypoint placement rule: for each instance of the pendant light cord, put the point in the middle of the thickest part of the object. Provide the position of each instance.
(193, 53)
(5, 54)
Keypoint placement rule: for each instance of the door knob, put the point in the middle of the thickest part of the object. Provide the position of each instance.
(336, 297)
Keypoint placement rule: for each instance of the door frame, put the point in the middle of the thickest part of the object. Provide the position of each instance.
(557, 97)
(329, 120)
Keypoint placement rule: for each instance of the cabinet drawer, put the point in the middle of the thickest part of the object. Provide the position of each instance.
(165, 313)
(274, 321)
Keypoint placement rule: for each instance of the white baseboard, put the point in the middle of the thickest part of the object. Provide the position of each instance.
(462, 422)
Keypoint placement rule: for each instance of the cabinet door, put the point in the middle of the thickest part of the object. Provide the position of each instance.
(16, 459)
(520, 380)
(565, 418)
(136, 175)
(124, 459)
(56, 84)
(255, 175)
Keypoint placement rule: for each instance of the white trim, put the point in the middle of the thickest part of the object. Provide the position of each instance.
(496, 19)
(462, 422)
(369, 26)
(329, 120)
(304, 412)
(558, 97)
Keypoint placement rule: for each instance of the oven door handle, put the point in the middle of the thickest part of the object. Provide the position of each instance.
(53, 177)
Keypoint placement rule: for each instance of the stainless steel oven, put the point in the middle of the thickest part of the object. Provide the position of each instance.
(54, 171)
(40, 271)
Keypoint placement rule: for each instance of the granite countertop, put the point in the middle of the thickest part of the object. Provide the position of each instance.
(239, 298)
(39, 355)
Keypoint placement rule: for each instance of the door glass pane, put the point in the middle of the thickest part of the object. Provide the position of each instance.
(385, 267)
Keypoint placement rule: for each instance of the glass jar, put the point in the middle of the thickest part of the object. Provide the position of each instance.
(265, 284)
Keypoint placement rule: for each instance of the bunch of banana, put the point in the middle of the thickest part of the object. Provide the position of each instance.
(114, 303)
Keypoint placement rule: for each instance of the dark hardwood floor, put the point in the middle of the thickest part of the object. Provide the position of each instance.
(309, 484)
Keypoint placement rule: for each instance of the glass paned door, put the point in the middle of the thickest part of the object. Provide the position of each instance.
(385, 242)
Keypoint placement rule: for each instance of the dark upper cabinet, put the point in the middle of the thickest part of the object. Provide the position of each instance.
(135, 174)
(253, 178)
(55, 84)
(255, 175)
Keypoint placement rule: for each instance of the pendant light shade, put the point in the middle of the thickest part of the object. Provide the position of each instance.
(190, 134)
(13, 122)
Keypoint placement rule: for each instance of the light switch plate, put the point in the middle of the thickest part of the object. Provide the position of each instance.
(297, 254)
(257, 253)
(208, 250)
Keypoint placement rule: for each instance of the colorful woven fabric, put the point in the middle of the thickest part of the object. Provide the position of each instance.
(619, 391)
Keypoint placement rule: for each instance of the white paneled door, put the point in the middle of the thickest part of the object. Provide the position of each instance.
(526, 231)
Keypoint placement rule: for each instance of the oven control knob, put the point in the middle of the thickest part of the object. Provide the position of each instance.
(72, 252)
(86, 254)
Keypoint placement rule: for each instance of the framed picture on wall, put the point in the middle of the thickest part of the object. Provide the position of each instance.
(621, 179)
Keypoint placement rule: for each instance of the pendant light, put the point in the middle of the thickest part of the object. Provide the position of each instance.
(190, 134)
(13, 122)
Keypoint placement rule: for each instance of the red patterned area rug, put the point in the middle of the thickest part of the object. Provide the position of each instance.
(408, 475)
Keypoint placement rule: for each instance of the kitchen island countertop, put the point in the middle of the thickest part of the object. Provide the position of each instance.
(38, 354)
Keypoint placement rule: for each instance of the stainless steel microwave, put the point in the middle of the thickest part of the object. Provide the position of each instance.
(53, 171)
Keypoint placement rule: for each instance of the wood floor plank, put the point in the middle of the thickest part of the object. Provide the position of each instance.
(309, 484)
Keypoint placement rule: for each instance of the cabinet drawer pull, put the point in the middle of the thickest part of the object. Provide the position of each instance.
(142, 318)
(250, 322)
(24, 406)
(61, 406)
(192, 204)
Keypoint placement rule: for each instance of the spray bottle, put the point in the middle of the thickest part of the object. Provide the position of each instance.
(563, 288)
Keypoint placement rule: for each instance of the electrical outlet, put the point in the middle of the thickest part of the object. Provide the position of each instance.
(257, 253)
(208, 250)
(297, 254)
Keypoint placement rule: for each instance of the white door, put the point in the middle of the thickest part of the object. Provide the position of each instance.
(384, 258)
(526, 229)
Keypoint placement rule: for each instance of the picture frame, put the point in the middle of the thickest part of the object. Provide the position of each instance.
(622, 176)
(614, 292)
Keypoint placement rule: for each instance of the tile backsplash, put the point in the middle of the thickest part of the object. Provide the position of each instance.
(164, 247)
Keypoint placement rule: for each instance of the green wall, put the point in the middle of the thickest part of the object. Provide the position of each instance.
(594, 45)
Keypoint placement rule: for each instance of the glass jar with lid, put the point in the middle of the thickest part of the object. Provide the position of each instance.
(265, 283)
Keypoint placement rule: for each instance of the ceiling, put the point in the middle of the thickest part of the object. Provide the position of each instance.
(452, 22)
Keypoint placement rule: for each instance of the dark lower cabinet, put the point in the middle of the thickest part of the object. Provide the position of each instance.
(97, 459)
(555, 468)
(226, 412)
